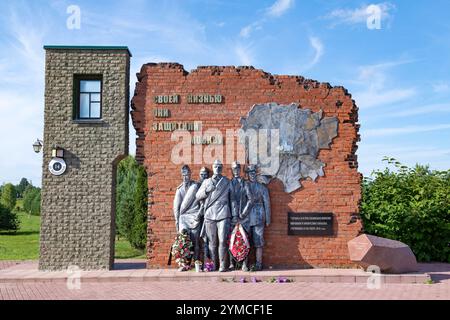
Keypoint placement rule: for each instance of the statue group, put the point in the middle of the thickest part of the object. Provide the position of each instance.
(209, 210)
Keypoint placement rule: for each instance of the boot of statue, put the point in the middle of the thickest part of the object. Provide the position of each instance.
(245, 265)
(259, 254)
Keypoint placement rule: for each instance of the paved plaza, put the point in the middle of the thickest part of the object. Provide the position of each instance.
(130, 280)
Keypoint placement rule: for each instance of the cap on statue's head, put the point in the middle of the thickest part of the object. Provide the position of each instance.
(185, 168)
(235, 164)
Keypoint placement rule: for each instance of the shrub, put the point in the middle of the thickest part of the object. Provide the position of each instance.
(8, 219)
(411, 205)
(9, 196)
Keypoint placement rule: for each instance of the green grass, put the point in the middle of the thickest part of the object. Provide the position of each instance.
(24, 244)
(124, 250)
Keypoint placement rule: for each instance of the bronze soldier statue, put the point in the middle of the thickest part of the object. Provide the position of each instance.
(204, 174)
(256, 213)
(216, 193)
(237, 194)
(186, 209)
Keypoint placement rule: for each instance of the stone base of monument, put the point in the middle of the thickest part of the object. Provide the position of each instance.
(28, 272)
(376, 253)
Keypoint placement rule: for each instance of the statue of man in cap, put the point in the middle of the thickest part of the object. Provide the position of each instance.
(204, 174)
(216, 193)
(186, 209)
(256, 213)
(238, 203)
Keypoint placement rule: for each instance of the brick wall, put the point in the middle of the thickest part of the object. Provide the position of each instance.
(338, 191)
(77, 220)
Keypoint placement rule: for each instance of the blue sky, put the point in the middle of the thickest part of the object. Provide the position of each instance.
(399, 74)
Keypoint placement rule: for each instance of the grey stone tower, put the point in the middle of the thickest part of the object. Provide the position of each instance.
(86, 127)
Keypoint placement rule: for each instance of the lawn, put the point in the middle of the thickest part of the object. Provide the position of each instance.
(24, 244)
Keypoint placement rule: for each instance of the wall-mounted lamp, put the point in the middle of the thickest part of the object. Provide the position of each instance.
(37, 146)
(57, 152)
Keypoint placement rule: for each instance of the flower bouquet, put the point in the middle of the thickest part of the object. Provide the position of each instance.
(209, 266)
(182, 250)
(239, 244)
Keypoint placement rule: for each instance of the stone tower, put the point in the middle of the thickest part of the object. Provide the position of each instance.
(86, 127)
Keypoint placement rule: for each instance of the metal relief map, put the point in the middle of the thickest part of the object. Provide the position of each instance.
(302, 133)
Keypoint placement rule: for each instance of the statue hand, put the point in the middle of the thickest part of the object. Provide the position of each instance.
(267, 224)
(210, 187)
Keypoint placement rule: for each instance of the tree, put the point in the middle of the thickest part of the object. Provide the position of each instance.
(21, 187)
(126, 181)
(411, 205)
(8, 219)
(131, 202)
(8, 197)
(32, 200)
(139, 230)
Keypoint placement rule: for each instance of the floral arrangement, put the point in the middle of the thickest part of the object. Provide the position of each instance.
(239, 244)
(280, 280)
(182, 249)
(209, 266)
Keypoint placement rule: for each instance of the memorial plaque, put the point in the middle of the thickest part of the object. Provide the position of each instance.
(310, 224)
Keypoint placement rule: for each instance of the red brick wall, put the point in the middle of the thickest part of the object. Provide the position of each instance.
(338, 191)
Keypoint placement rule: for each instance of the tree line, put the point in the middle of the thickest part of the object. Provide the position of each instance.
(9, 194)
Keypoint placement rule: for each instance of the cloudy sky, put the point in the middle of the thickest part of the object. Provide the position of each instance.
(396, 67)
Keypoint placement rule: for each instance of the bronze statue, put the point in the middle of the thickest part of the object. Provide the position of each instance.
(237, 194)
(256, 213)
(216, 192)
(186, 209)
(204, 174)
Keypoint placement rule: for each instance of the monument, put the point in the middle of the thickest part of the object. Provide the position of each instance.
(307, 131)
(300, 134)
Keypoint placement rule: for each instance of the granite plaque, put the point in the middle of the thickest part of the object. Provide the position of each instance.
(310, 224)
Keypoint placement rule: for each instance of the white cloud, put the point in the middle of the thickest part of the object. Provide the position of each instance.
(428, 109)
(370, 156)
(245, 31)
(441, 87)
(280, 7)
(381, 132)
(243, 54)
(319, 49)
(372, 97)
(375, 83)
(275, 11)
(359, 15)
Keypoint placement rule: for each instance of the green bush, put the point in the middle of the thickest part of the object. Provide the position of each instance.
(411, 205)
(8, 219)
(9, 196)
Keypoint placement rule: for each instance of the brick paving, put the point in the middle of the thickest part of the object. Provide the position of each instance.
(221, 291)
(139, 289)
